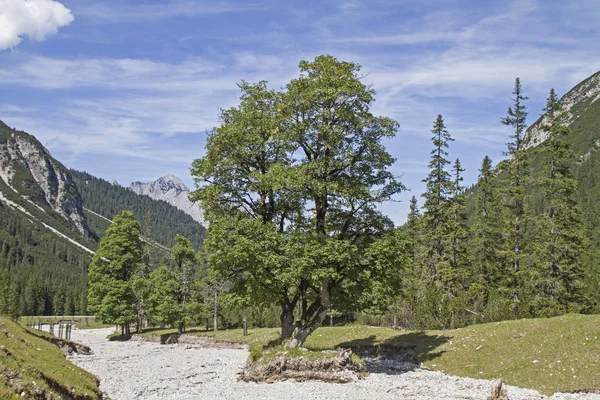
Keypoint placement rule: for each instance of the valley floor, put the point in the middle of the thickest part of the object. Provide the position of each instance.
(144, 370)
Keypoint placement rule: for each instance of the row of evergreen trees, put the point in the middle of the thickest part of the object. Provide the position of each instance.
(40, 273)
(511, 247)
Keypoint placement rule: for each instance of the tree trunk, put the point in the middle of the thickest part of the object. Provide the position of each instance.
(303, 332)
(309, 323)
(215, 314)
(138, 325)
(287, 321)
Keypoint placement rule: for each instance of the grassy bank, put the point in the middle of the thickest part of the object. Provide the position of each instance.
(31, 365)
(550, 355)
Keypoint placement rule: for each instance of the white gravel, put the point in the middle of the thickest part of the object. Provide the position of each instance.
(143, 370)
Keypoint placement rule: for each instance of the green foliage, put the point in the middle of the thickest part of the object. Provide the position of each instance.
(9, 302)
(110, 294)
(516, 171)
(558, 258)
(316, 146)
(161, 304)
(47, 273)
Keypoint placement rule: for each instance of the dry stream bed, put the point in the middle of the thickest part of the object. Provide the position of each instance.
(145, 370)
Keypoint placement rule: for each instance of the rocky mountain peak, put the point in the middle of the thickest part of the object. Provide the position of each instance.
(576, 102)
(27, 169)
(172, 190)
(170, 181)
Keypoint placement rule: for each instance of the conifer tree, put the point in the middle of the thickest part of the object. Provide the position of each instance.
(439, 188)
(516, 170)
(487, 264)
(434, 294)
(119, 255)
(487, 228)
(412, 226)
(561, 234)
(458, 222)
(141, 282)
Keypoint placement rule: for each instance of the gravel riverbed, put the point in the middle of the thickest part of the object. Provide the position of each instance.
(144, 370)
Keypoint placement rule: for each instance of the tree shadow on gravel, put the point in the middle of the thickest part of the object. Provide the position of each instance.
(398, 354)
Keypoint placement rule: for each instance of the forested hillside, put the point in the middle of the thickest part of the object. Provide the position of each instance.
(108, 200)
(47, 238)
(45, 243)
(523, 242)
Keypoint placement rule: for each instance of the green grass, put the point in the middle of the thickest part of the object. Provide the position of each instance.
(550, 355)
(558, 354)
(260, 336)
(31, 364)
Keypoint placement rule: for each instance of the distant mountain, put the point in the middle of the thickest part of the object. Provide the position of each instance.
(172, 190)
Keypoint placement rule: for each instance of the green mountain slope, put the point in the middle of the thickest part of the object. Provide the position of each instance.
(45, 242)
(103, 198)
(52, 219)
(582, 104)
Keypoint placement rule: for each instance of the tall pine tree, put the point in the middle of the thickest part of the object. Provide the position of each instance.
(488, 266)
(516, 171)
(435, 296)
(561, 236)
(439, 189)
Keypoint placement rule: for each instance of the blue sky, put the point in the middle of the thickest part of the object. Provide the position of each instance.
(126, 90)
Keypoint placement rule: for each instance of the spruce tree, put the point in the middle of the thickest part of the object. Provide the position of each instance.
(110, 295)
(185, 260)
(412, 225)
(141, 282)
(561, 234)
(439, 189)
(435, 260)
(458, 223)
(487, 228)
(488, 266)
(516, 170)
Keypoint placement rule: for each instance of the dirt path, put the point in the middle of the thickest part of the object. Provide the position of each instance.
(142, 370)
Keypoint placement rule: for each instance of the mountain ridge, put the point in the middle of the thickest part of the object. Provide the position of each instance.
(29, 170)
(171, 189)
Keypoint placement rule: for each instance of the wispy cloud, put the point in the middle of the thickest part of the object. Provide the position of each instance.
(128, 11)
(158, 72)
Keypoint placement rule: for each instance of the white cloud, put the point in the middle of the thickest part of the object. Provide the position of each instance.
(33, 18)
(134, 11)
